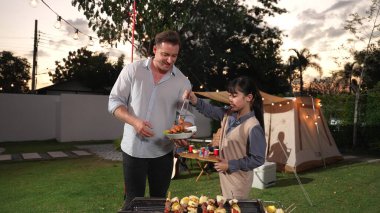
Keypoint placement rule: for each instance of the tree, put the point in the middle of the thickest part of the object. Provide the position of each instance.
(356, 25)
(326, 86)
(302, 60)
(369, 61)
(220, 39)
(92, 69)
(14, 73)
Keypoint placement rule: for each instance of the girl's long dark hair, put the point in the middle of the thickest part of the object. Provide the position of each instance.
(247, 86)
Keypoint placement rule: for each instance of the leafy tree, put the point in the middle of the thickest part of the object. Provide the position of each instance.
(357, 25)
(14, 73)
(220, 39)
(326, 86)
(92, 69)
(370, 62)
(373, 106)
(351, 70)
(302, 60)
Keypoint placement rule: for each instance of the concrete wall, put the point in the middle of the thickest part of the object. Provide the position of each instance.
(66, 117)
(27, 117)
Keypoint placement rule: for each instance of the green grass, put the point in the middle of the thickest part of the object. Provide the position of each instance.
(91, 184)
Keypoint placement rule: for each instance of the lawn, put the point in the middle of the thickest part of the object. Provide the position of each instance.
(91, 184)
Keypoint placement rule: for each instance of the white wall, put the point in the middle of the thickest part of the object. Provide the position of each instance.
(27, 117)
(66, 117)
(85, 117)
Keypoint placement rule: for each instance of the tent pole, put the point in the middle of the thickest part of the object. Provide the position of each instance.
(319, 137)
(269, 130)
(297, 177)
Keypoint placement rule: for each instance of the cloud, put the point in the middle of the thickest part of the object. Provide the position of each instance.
(308, 42)
(333, 32)
(311, 14)
(339, 5)
(302, 30)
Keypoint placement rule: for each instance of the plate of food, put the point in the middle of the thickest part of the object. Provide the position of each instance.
(180, 133)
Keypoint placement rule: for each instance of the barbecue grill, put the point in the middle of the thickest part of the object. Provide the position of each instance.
(157, 205)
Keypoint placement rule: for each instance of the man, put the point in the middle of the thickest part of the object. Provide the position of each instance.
(146, 96)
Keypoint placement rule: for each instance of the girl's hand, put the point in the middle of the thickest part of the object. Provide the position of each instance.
(221, 166)
(191, 96)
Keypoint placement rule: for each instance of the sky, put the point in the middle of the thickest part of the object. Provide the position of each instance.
(316, 25)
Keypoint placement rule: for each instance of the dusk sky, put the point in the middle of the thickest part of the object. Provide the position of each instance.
(317, 25)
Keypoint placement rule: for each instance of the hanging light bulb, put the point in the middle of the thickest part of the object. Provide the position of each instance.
(90, 42)
(58, 22)
(76, 36)
(201, 86)
(33, 3)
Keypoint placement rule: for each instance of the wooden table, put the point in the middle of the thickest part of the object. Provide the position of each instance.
(202, 162)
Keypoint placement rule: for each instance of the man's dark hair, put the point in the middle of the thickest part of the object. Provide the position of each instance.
(169, 36)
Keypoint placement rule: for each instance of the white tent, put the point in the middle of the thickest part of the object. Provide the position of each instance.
(297, 134)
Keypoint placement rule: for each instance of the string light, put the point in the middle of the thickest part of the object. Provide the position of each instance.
(58, 22)
(33, 3)
(76, 36)
(91, 42)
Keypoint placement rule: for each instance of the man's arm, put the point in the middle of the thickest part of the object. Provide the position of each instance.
(142, 128)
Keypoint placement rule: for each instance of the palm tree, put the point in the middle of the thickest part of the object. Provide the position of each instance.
(302, 60)
(349, 71)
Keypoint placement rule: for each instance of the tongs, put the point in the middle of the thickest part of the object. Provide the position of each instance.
(183, 110)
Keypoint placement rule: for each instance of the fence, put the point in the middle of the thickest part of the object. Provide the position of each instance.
(65, 117)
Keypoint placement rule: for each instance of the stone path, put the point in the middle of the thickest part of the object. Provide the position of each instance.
(108, 152)
(105, 151)
(43, 156)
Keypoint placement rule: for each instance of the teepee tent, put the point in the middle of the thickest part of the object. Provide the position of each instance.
(296, 132)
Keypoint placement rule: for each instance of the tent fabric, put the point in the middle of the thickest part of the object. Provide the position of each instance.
(223, 97)
(296, 132)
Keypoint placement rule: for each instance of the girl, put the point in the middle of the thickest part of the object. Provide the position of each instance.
(242, 145)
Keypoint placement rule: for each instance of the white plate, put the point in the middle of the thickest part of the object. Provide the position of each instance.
(184, 135)
(191, 128)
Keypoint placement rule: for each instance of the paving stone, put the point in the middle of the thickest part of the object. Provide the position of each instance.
(58, 154)
(31, 155)
(374, 161)
(5, 157)
(81, 152)
(350, 157)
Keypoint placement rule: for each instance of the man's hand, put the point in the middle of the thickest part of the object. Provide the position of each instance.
(143, 128)
(180, 142)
